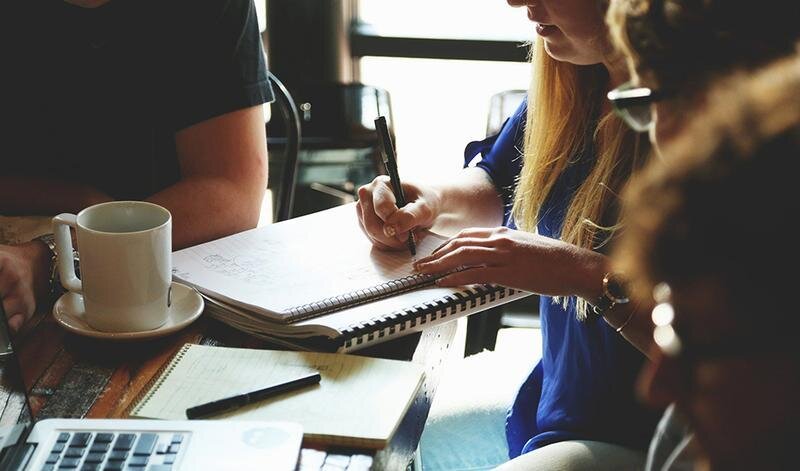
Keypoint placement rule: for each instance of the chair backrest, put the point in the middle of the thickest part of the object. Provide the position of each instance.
(501, 107)
(284, 198)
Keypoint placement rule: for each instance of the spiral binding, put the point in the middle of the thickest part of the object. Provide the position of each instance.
(361, 296)
(153, 385)
(422, 314)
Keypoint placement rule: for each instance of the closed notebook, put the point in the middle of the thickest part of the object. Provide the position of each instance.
(318, 275)
(359, 402)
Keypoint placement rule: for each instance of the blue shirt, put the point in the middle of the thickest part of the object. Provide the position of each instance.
(583, 387)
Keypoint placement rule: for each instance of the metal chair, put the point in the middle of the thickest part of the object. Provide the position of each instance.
(284, 200)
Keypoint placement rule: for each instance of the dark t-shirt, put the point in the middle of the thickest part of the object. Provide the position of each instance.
(96, 96)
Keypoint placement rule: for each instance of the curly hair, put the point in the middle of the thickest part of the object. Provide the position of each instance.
(675, 44)
(722, 205)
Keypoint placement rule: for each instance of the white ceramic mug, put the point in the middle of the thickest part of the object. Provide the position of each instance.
(125, 263)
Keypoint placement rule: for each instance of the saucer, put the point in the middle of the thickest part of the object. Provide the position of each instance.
(187, 305)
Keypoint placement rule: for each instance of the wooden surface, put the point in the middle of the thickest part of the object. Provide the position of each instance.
(73, 376)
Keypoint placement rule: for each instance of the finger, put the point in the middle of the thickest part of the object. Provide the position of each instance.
(9, 279)
(375, 241)
(469, 276)
(482, 232)
(411, 216)
(15, 322)
(371, 224)
(454, 244)
(383, 200)
(460, 241)
(19, 304)
(471, 256)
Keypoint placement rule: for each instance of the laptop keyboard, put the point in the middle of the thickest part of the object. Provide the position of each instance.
(159, 451)
(115, 451)
(316, 460)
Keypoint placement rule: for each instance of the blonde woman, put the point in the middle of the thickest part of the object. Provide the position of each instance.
(577, 409)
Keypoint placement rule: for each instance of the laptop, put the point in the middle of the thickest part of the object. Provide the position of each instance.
(117, 444)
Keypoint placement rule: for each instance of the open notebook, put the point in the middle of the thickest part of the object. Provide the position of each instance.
(359, 402)
(319, 276)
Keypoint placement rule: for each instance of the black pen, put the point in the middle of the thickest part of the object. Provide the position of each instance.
(234, 402)
(390, 162)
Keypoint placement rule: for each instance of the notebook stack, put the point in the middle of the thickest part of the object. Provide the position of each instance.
(316, 282)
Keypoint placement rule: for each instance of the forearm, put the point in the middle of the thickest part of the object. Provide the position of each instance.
(637, 327)
(633, 318)
(469, 200)
(207, 208)
(29, 195)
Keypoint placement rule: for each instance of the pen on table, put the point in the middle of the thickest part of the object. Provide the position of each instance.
(390, 162)
(240, 400)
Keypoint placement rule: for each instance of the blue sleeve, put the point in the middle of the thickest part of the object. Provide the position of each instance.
(501, 156)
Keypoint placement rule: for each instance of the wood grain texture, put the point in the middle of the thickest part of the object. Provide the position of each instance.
(72, 376)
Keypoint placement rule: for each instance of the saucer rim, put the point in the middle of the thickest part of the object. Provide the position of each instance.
(136, 335)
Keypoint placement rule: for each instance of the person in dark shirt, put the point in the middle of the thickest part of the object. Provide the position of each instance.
(157, 100)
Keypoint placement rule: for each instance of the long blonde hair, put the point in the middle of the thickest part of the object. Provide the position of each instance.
(563, 121)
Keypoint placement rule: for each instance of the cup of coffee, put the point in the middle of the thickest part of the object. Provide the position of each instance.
(125, 263)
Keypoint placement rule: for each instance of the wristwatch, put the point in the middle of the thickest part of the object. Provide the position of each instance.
(614, 292)
(54, 284)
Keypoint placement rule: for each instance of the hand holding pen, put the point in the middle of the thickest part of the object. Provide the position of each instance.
(390, 162)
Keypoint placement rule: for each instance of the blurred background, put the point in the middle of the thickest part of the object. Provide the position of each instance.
(431, 66)
(443, 72)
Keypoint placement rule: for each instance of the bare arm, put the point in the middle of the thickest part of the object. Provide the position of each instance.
(638, 330)
(635, 319)
(223, 165)
(223, 178)
(535, 263)
(470, 199)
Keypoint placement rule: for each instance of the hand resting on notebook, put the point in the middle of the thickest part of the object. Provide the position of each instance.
(513, 258)
(495, 254)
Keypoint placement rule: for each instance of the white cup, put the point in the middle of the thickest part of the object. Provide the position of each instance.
(125, 263)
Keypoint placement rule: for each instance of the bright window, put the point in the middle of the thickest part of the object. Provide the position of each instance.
(470, 19)
(441, 105)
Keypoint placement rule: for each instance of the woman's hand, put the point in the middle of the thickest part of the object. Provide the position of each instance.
(23, 276)
(516, 259)
(385, 224)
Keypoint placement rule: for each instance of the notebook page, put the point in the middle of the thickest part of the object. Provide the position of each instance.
(359, 400)
(275, 268)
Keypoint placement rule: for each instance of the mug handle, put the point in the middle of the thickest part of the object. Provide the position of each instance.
(66, 262)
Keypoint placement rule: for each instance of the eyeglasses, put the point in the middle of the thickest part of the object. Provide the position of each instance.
(674, 345)
(632, 104)
(664, 334)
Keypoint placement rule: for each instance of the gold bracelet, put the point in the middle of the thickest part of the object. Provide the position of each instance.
(624, 324)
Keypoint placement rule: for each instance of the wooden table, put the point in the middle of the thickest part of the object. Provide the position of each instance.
(73, 376)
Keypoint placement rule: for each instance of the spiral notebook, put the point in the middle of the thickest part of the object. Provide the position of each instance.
(319, 277)
(359, 402)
